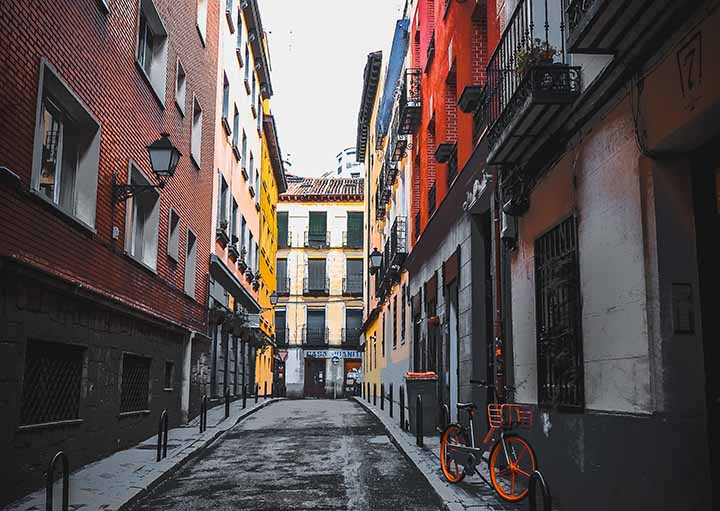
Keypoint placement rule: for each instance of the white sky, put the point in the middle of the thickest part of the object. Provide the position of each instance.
(318, 50)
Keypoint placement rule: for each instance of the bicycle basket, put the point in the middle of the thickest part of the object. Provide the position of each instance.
(509, 416)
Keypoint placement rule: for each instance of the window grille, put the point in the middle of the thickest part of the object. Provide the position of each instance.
(559, 340)
(135, 387)
(51, 383)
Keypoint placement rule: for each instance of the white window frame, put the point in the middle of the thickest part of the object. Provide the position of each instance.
(84, 192)
(173, 244)
(156, 76)
(148, 257)
(180, 88)
(201, 19)
(196, 132)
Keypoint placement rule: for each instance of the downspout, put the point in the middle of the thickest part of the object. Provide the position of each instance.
(498, 349)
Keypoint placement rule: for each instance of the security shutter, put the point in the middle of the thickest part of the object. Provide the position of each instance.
(282, 283)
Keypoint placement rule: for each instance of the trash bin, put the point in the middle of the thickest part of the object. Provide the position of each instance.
(425, 385)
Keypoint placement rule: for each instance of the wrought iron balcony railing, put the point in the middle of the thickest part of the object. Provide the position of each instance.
(353, 285)
(316, 286)
(282, 336)
(353, 239)
(398, 244)
(410, 108)
(398, 141)
(351, 336)
(528, 81)
(317, 239)
(315, 336)
(283, 287)
(285, 240)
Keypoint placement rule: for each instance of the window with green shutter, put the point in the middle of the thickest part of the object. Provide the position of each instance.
(282, 226)
(317, 231)
(354, 235)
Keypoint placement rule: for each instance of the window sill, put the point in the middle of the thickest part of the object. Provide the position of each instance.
(49, 425)
(180, 108)
(141, 264)
(135, 413)
(231, 24)
(69, 218)
(168, 389)
(145, 76)
(195, 161)
(201, 35)
(226, 125)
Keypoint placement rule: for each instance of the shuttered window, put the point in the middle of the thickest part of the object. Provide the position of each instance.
(280, 327)
(317, 232)
(282, 225)
(316, 274)
(315, 329)
(283, 285)
(353, 322)
(353, 276)
(354, 229)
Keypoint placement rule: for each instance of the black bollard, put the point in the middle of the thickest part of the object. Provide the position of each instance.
(419, 422)
(66, 482)
(162, 438)
(227, 402)
(374, 394)
(401, 399)
(244, 396)
(382, 396)
(535, 479)
(265, 390)
(257, 392)
(390, 400)
(367, 392)
(203, 414)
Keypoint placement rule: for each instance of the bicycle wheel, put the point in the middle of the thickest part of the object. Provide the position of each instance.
(454, 434)
(512, 480)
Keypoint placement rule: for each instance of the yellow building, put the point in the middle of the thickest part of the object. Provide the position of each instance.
(273, 182)
(320, 274)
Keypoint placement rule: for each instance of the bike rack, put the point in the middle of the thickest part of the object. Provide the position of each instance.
(390, 400)
(535, 478)
(66, 482)
(203, 414)
(401, 398)
(162, 438)
(419, 421)
(382, 396)
(227, 401)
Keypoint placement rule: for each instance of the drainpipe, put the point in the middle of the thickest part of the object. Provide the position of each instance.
(498, 349)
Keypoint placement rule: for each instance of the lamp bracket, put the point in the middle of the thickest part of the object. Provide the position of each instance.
(122, 192)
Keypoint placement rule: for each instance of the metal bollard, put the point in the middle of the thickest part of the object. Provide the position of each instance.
(66, 482)
(535, 478)
(203, 414)
(162, 438)
(401, 398)
(419, 422)
(257, 391)
(374, 394)
(227, 402)
(382, 396)
(265, 390)
(390, 400)
(244, 396)
(367, 393)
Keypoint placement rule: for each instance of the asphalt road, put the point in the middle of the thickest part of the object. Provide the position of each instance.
(299, 455)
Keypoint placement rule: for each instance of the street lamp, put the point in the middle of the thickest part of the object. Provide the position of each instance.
(164, 157)
(375, 260)
(273, 298)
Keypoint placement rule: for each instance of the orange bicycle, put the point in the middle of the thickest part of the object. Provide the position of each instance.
(511, 460)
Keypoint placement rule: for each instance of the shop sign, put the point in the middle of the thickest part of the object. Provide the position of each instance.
(332, 353)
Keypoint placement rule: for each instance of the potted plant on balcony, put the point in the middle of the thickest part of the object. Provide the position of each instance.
(256, 281)
(241, 264)
(232, 247)
(538, 53)
(221, 233)
(249, 275)
(217, 314)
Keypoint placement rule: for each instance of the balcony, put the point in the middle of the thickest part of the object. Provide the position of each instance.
(315, 336)
(317, 239)
(410, 109)
(398, 141)
(316, 286)
(528, 82)
(353, 239)
(351, 337)
(353, 286)
(282, 336)
(396, 247)
(283, 287)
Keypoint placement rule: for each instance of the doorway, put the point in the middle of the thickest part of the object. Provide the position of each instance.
(315, 377)
(706, 196)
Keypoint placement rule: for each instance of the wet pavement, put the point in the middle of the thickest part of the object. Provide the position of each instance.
(299, 455)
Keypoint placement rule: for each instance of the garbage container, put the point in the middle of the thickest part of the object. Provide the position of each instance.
(425, 385)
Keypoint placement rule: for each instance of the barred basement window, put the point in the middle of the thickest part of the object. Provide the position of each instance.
(51, 383)
(559, 339)
(135, 386)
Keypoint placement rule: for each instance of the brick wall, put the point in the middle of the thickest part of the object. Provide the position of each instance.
(103, 74)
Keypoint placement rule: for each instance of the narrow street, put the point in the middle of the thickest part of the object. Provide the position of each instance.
(308, 454)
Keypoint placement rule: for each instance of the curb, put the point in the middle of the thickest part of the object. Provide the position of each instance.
(132, 501)
(448, 501)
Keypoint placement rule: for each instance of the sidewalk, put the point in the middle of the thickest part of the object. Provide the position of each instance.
(116, 481)
(471, 494)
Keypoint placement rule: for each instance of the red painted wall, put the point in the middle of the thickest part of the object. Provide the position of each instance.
(94, 53)
(472, 28)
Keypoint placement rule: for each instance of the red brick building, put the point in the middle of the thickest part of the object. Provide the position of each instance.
(102, 316)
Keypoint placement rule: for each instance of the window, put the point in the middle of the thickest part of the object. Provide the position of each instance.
(559, 340)
(152, 48)
(173, 248)
(222, 211)
(180, 87)
(257, 185)
(66, 149)
(229, 15)
(190, 261)
(431, 200)
(283, 283)
(257, 257)
(355, 175)
(244, 155)
(234, 226)
(135, 384)
(202, 10)
(355, 229)
(353, 323)
(403, 314)
(251, 256)
(251, 167)
(353, 277)
(280, 327)
(282, 225)
(317, 231)
(239, 40)
(169, 375)
(143, 216)
(259, 115)
(316, 281)
(196, 132)
(394, 322)
(253, 88)
(236, 134)
(247, 68)
(315, 333)
(51, 382)
(243, 229)
(226, 104)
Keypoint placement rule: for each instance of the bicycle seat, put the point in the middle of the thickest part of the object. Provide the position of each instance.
(466, 406)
